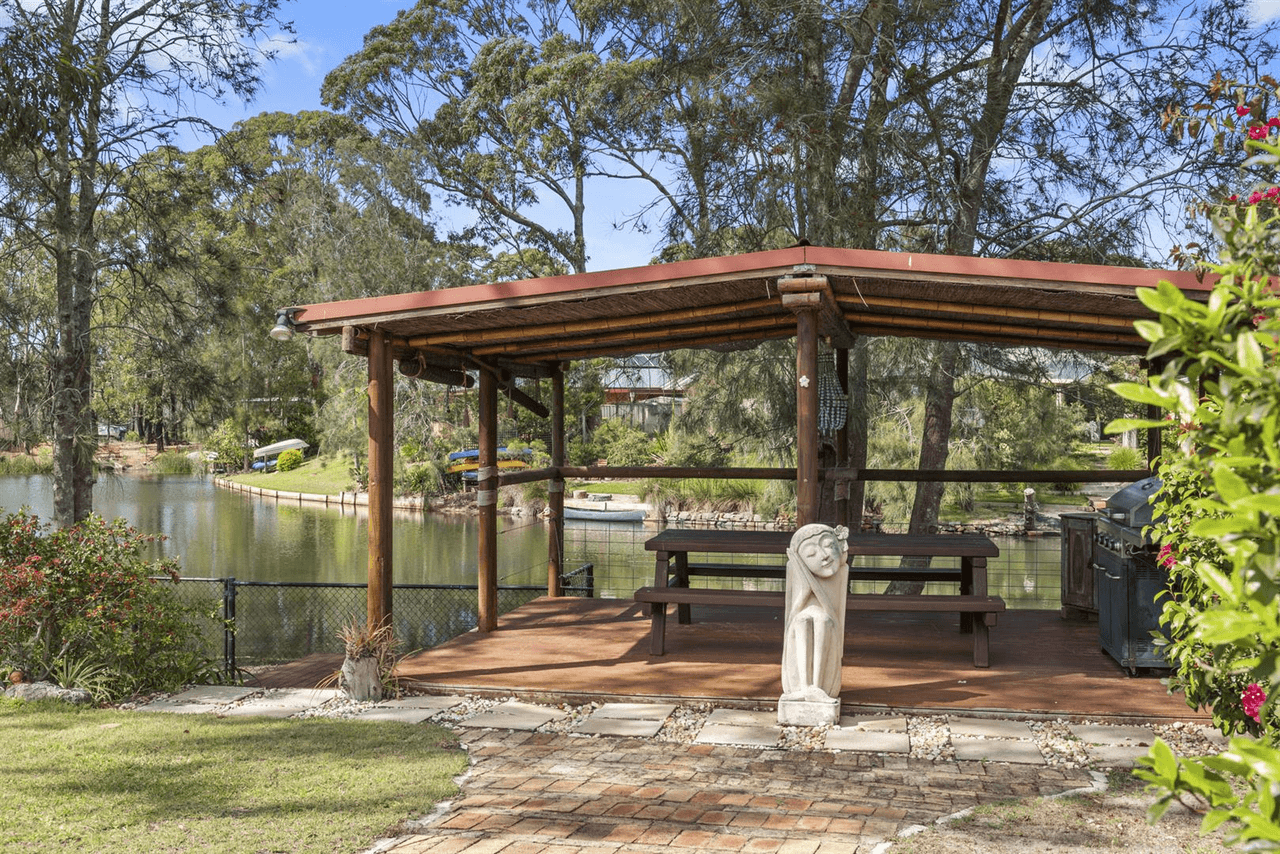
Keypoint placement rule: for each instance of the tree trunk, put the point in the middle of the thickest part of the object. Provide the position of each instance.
(934, 448)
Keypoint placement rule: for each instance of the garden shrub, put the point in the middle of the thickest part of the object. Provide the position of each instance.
(622, 444)
(83, 600)
(1126, 459)
(289, 460)
(1220, 538)
(230, 443)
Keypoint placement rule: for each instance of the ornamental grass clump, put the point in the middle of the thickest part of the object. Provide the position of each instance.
(1220, 535)
(80, 604)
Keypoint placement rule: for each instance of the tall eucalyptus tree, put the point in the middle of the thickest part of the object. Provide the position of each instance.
(85, 88)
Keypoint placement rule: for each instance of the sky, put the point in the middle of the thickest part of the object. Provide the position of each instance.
(328, 31)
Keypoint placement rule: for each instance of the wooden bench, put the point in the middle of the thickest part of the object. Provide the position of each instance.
(983, 609)
(856, 573)
(752, 570)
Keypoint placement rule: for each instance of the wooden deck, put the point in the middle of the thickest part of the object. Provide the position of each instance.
(575, 650)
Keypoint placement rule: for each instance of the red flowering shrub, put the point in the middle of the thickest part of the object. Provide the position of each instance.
(84, 595)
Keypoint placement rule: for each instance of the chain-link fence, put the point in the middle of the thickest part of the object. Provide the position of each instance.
(269, 622)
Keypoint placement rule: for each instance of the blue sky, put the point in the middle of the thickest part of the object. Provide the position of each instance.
(326, 32)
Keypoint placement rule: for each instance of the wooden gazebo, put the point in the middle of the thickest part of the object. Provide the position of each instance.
(532, 328)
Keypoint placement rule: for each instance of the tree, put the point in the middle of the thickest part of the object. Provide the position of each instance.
(312, 207)
(497, 102)
(957, 127)
(86, 88)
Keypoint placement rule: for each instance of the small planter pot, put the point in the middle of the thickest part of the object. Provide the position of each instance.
(360, 679)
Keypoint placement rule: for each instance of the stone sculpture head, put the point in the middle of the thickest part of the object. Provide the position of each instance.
(821, 548)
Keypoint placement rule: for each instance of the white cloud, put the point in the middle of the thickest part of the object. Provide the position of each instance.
(1264, 10)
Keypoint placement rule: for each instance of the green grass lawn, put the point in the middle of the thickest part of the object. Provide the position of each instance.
(319, 475)
(634, 488)
(112, 781)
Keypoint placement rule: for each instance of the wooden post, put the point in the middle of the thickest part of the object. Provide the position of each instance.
(487, 504)
(555, 489)
(381, 476)
(806, 416)
(1155, 441)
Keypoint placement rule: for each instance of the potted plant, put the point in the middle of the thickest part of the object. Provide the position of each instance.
(370, 657)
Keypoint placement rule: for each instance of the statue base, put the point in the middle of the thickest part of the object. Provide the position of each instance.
(808, 712)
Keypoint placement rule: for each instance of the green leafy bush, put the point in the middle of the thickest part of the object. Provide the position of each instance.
(229, 442)
(623, 445)
(82, 600)
(423, 479)
(1220, 538)
(289, 460)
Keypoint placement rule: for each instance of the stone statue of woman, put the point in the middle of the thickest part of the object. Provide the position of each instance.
(813, 638)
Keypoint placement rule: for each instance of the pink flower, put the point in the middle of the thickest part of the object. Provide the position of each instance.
(1252, 700)
(1271, 192)
(1258, 132)
(1233, 198)
(1255, 197)
(1273, 122)
(1166, 557)
(1242, 110)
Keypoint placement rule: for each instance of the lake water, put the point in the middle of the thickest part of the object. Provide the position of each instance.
(217, 533)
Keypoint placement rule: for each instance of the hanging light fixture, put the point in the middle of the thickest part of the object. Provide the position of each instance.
(283, 330)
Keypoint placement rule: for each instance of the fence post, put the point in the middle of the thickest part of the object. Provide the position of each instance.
(228, 629)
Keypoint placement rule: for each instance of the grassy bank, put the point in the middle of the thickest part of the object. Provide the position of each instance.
(319, 476)
(111, 781)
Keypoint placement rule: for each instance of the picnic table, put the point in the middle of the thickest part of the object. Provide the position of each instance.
(673, 569)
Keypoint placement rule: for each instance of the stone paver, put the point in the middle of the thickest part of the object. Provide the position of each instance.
(626, 720)
(869, 741)
(635, 711)
(743, 717)
(1020, 751)
(874, 723)
(988, 728)
(1116, 755)
(284, 703)
(754, 736)
(409, 710)
(514, 715)
(740, 727)
(199, 699)
(620, 727)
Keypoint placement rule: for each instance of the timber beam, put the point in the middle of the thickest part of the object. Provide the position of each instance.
(805, 292)
(506, 384)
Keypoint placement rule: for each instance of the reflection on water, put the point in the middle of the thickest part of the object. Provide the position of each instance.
(217, 533)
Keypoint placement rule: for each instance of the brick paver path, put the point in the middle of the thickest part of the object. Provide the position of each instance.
(540, 793)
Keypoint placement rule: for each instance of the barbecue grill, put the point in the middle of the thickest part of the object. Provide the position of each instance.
(1131, 586)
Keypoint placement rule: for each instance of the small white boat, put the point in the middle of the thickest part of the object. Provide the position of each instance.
(584, 514)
